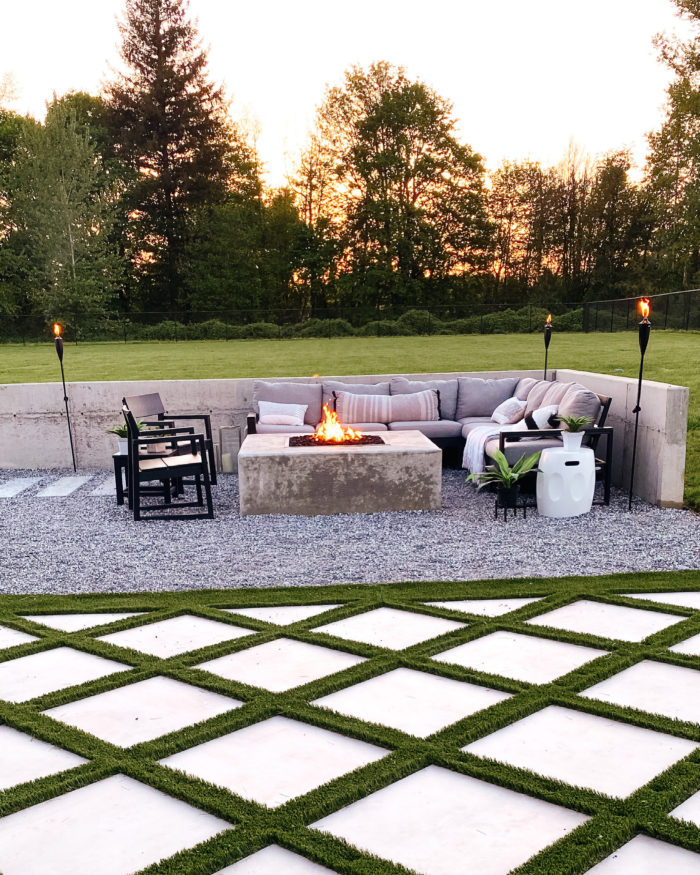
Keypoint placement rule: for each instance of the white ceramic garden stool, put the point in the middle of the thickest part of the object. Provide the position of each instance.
(565, 482)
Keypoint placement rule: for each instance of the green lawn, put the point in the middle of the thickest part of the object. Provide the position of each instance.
(672, 357)
(612, 822)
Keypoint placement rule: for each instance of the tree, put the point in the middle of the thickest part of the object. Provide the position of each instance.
(60, 206)
(673, 171)
(170, 124)
(405, 197)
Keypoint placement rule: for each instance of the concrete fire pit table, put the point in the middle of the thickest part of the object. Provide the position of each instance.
(404, 473)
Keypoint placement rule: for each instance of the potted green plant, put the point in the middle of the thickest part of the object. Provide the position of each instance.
(122, 435)
(573, 436)
(506, 477)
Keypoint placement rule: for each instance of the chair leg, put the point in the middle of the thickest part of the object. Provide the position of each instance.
(198, 484)
(207, 490)
(136, 491)
(167, 499)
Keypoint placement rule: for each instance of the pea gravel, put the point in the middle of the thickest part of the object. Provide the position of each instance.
(86, 543)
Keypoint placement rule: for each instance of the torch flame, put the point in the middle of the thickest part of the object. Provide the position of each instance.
(57, 330)
(330, 429)
(549, 319)
(645, 307)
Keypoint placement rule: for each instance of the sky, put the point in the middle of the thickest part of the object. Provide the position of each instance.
(525, 77)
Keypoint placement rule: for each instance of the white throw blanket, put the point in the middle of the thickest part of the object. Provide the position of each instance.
(473, 458)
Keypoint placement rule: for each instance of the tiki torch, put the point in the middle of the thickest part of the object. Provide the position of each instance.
(547, 338)
(644, 332)
(57, 330)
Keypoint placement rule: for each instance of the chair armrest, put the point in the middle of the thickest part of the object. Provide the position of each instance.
(505, 436)
(205, 417)
(251, 424)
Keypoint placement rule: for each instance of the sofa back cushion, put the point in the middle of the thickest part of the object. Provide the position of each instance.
(555, 393)
(478, 397)
(523, 388)
(536, 395)
(291, 393)
(579, 401)
(331, 386)
(421, 406)
(446, 388)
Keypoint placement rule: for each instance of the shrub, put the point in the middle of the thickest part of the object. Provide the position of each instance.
(380, 328)
(418, 322)
(260, 330)
(326, 328)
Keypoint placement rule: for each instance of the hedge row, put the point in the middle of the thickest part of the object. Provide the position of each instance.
(412, 323)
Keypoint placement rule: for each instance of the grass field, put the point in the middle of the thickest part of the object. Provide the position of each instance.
(672, 357)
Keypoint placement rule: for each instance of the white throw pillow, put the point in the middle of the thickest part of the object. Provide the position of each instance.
(509, 411)
(274, 413)
(543, 417)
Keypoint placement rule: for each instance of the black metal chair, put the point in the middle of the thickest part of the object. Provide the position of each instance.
(176, 457)
(146, 407)
(592, 435)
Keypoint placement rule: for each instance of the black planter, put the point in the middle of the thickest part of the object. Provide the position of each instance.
(508, 497)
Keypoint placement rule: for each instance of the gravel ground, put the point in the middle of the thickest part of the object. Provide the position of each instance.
(84, 543)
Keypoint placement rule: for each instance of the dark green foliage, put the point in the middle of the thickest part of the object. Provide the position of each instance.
(170, 125)
(612, 821)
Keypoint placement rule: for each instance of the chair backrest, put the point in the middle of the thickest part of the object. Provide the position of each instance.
(131, 425)
(143, 406)
(602, 416)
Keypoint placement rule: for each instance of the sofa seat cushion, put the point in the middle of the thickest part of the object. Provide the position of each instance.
(521, 448)
(442, 428)
(476, 422)
(309, 394)
(478, 397)
(261, 428)
(446, 388)
(331, 386)
(367, 426)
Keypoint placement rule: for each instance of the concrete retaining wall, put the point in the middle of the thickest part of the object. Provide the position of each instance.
(33, 432)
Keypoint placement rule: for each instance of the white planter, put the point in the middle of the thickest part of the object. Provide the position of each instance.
(123, 446)
(572, 439)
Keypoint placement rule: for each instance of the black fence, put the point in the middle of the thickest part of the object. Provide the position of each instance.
(251, 324)
(673, 310)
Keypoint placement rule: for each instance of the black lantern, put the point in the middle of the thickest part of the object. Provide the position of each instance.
(644, 332)
(58, 330)
(547, 338)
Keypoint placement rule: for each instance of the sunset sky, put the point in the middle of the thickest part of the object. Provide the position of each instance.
(525, 78)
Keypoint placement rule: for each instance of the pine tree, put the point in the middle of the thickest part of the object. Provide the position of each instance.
(171, 126)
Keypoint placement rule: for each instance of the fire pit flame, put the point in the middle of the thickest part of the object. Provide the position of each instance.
(330, 429)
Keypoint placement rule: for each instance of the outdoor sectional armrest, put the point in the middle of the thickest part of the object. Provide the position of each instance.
(505, 436)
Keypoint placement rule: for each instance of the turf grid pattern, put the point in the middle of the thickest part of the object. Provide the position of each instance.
(387, 754)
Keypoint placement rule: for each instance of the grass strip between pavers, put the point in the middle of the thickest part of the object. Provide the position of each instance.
(613, 821)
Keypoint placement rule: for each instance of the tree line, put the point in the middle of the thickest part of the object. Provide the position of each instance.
(147, 197)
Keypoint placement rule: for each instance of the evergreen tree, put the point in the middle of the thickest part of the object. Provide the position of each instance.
(171, 126)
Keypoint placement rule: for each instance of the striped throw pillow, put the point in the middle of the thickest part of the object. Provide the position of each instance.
(418, 406)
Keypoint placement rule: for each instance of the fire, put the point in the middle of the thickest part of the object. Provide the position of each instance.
(549, 319)
(645, 307)
(57, 329)
(330, 429)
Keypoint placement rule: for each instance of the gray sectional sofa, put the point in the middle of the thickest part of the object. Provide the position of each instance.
(464, 403)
